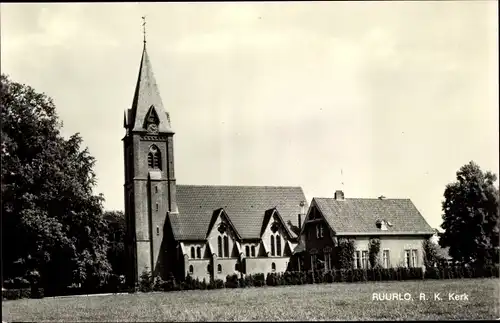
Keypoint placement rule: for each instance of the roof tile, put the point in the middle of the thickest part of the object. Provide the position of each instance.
(359, 215)
(244, 205)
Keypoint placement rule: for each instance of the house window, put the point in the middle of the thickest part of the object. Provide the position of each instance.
(154, 157)
(191, 269)
(385, 256)
(320, 230)
(157, 230)
(364, 259)
(247, 251)
(226, 247)
(357, 260)
(278, 245)
(273, 266)
(317, 231)
(198, 252)
(407, 258)
(192, 253)
(253, 251)
(328, 262)
(219, 268)
(157, 207)
(219, 245)
(313, 262)
(156, 189)
(414, 258)
(272, 246)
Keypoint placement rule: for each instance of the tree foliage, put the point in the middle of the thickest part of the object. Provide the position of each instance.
(470, 216)
(344, 254)
(51, 220)
(116, 229)
(432, 255)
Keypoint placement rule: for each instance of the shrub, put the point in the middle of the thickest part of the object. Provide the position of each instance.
(16, 293)
(328, 277)
(37, 292)
(249, 281)
(259, 280)
(203, 284)
(219, 283)
(232, 281)
(271, 279)
(373, 251)
(158, 284)
(146, 281)
(432, 273)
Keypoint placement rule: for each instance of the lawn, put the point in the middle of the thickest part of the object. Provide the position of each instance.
(337, 301)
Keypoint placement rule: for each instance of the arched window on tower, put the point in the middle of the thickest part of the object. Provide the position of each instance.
(219, 245)
(154, 157)
(226, 247)
(198, 252)
(247, 251)
(272, 246)
(192, 252)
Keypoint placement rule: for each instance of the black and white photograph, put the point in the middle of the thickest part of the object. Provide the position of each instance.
(250, 161)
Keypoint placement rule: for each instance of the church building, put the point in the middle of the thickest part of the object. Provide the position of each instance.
(201, 230)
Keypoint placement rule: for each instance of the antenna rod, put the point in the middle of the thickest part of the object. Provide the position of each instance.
(144, 28)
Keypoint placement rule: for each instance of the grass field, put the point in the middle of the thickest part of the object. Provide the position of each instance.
(338, 301)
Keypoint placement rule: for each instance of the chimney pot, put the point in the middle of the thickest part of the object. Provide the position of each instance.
(339, 195)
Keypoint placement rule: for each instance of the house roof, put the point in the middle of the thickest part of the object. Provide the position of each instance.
(245, 206)
(360, 215)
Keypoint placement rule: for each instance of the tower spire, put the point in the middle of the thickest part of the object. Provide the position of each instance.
(144, 29)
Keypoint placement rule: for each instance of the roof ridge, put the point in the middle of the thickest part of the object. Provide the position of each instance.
(252, 186)
(364, 198)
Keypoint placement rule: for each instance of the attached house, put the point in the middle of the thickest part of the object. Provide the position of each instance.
(396, 222)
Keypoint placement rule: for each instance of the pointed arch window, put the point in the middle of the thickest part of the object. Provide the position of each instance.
(191, 269)
(226, 247)
(219, 247)
(198, 252)
(219, 268)
(273, 266)
(278, 245)
(247, 251)
(272, 246)
(154, 157)
(253, 251)
(192, 253)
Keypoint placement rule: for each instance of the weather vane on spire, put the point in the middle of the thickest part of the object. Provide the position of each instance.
(144, 27)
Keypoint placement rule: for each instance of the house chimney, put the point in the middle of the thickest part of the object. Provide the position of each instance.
(339, 195)
(302, 210)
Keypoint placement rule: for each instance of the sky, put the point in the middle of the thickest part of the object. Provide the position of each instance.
(388, 98)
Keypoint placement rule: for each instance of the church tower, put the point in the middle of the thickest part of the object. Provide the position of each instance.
(150, 191)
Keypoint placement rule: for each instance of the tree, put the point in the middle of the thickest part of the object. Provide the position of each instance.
(51, 220)
(432, 253)
(116, 230)
(470, 218)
